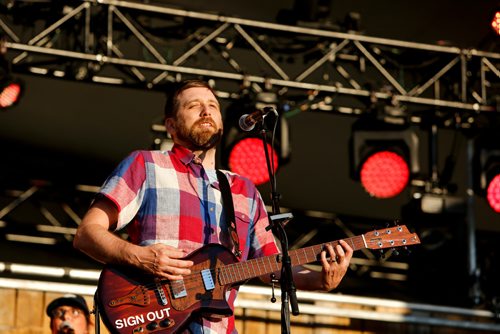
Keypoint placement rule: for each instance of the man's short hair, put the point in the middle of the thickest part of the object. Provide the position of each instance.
(173, 91)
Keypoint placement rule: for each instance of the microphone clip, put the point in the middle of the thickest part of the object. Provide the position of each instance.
(247, 122)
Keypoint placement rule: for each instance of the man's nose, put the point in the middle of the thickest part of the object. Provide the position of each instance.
(205, 110)
(66, 315)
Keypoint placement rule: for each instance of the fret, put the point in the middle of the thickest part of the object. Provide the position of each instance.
(261, 266)
(270, 261)
(317, 251)
(238, 272)
(220, 278)
(263, 269)
(251, 264)
(224, 275)
(254, 263)
(242, 267)
(233, 274)
(305, 255)
(246, 272)
(297, 257)
(227, 278)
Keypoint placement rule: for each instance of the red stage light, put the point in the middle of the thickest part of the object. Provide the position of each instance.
(247, 158)
(495, 23)
(493, 193)
(10, 95)
(384, 174)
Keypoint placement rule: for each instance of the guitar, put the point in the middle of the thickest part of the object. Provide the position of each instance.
(131, 302)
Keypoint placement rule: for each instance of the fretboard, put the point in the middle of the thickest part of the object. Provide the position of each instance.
(242, 271)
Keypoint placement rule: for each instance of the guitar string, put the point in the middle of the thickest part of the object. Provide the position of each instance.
(194, 276)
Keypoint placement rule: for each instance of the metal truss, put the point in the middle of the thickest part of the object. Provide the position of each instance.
(147, 46)
(52, 219)
(137, 44)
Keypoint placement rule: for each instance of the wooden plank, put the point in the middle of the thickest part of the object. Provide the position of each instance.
(29, 309)
(251, 321)
(8, 298)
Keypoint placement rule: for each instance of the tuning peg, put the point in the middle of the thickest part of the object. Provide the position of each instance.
(395, 251)
(397, 222)
(382, 255)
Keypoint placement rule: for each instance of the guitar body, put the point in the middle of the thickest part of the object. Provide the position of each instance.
(133, 302)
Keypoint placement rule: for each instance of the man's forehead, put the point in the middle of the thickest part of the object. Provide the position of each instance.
(197, 93)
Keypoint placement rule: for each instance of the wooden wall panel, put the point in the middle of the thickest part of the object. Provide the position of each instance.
(29, 311)
(7, 316)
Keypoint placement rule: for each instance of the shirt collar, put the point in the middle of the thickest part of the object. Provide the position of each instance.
(187, 157)
(183, 154)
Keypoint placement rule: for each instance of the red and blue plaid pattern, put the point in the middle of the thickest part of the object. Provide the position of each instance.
(166, 197)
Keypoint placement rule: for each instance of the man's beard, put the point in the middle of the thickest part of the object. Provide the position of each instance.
(197, 137)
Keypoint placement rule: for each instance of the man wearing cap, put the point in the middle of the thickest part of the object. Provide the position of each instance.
(69, 314)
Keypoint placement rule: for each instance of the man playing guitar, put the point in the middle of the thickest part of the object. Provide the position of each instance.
(171, 204)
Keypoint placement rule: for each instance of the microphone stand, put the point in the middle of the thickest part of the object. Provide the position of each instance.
(277, 222)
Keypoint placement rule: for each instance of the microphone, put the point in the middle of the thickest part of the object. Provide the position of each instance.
(66, 328)
(247, 121)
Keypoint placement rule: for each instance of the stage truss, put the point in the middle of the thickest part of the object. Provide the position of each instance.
(147, 46)
(136, 44)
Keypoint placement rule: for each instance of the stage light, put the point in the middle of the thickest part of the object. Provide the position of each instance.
(10, 93)
(384, 174)
(493, 193)
(11, 88)
(243, 152)
(247, 158)
(495, 22)
(383, 157)
(487, 168)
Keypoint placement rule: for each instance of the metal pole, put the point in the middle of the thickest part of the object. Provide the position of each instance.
(433, 155)
(473, 270)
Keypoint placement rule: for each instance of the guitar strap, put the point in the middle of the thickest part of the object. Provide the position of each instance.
(227, 202)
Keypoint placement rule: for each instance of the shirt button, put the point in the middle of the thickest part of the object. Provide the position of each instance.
(211, 209)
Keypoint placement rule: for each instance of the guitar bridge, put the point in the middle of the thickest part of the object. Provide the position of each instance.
(161, 293)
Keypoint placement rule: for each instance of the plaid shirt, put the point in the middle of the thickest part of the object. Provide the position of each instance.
(166, 197)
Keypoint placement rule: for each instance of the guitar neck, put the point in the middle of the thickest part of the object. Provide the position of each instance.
(242, 271)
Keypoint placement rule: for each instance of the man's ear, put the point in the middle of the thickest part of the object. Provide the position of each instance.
(170, 125)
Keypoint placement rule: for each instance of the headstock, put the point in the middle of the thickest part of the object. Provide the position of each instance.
(396, 236)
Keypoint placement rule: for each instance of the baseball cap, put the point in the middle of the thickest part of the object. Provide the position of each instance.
(69, 300)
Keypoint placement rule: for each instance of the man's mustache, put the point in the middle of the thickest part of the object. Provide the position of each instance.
(205, 120)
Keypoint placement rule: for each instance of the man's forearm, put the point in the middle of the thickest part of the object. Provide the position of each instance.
(103, 246)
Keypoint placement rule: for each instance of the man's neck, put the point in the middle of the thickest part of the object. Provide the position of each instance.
(207, 157)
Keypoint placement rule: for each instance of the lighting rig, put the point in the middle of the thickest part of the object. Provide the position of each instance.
(400, 85)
